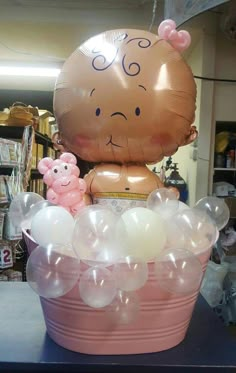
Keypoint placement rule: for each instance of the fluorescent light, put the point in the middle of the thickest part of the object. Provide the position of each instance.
(28, 71)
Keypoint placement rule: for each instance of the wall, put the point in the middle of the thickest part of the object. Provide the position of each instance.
(225, 93)
(184, 156)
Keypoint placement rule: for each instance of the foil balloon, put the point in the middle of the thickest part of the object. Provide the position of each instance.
(123, 99)
(125, 96)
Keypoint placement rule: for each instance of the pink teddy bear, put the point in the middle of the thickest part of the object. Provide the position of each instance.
(65, 187)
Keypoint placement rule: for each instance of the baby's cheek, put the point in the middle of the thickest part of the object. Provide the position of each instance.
(81, 141)
(161, 139)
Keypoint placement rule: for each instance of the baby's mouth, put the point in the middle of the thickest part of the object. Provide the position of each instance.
(112, 143)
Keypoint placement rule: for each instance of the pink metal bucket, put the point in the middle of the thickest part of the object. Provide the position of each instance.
(162, 322)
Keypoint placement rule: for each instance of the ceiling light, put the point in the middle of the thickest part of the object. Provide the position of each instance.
(29, 71)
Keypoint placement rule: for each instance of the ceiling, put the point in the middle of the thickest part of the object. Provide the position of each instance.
(47, 31)
(80, 12)
(78, 4)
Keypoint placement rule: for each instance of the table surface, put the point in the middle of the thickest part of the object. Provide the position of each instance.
(26, 347)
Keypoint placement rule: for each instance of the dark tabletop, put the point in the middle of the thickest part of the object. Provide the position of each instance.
(26, 347)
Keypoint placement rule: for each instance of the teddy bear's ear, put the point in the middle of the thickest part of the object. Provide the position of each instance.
(75, 170)
(68, 158)
(44, 165)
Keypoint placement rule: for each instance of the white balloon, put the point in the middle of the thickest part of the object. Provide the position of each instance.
(145, 233)
(52, 225)
(34, 209)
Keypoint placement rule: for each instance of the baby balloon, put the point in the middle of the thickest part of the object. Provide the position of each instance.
(65, 187)
(125, 98)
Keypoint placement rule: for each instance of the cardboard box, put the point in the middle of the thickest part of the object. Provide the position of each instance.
(10, 232)
(231, 203)
(6, 257)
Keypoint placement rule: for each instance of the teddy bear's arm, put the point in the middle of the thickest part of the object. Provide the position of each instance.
(52, 196)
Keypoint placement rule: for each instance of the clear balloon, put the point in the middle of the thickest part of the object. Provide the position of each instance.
(178, 271)
(145, 233)
(53, 271)
(20, 209)
(175, 236)
(130, 274)
(159, 196)
(124, 309)
(216, 208)
(97, 236)
(52, 225)
(167, 209)
(164, 201)
(193, 230)
(183, 206)
(97, 287)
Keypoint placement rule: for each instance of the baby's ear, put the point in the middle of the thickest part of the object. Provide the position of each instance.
(192, 136)
(57, 142)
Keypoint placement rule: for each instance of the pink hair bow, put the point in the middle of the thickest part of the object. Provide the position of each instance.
(180, 40)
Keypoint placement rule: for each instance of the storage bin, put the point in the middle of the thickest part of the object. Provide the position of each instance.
(162, 322)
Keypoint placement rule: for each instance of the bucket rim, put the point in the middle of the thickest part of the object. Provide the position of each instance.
(25, 233)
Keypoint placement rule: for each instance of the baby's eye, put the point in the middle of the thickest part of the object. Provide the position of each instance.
(137, 111)
(98, 111)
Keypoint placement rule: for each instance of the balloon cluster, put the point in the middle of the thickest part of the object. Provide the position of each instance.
(107, 256)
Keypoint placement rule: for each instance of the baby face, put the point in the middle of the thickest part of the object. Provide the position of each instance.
(125, 96)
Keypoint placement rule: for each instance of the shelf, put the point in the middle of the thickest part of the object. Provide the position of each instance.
(10, 165)
(15, 132)
(224, 169)
(6, 170)
(35, 174)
